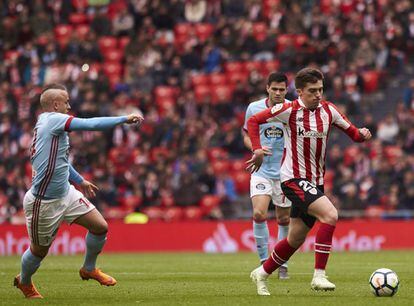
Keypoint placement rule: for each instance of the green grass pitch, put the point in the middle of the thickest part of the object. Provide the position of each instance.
(208, 279)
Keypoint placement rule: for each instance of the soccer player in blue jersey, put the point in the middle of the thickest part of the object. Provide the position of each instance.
(265, 183)
(52, 199)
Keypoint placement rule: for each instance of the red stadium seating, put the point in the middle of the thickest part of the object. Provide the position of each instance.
(216, 153)
(193, 213)
(123, 42)
(167, 201)
(11, 55)
(78, 18)
(132, 201)
(112, 55)
(200, 79)
(270, 66)
(237, 77)
(220, 166)
(156, 152)
(154, 213)
(165, 92)
(221, 93)
(82, 31)
(182, 29)
(299, 40)
(116, 212)
(283, 41)
(252, 65)
(164, 104)
(241, 181)
(63, 33)
(112, 69)
(208, 202)
(238, 165)
(107, 42)
(218, 79)
(173, 214)
(204, 31)
(231, 67)
(201, 92)
(80, 5)
(260, 31)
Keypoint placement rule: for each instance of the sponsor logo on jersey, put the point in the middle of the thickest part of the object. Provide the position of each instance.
(310, 134)
(260, 186)
(276, 108)
(273, 132)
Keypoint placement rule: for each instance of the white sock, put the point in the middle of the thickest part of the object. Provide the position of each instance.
(319, 272)
(262, 272)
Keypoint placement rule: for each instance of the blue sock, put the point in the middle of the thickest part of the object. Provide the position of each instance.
(282, 232)
(94, 245)
(30, 264)
(261, 235)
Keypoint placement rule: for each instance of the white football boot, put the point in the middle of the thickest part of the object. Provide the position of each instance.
(320, 282)
(260, 280)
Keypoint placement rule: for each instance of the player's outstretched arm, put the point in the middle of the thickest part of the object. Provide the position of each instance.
(102, 123)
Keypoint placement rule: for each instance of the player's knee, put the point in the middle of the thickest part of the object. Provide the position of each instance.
(259, 216)
(100, 228)
(283, 220)
(330, 217)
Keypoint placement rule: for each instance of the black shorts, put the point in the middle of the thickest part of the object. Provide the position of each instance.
(302, 193)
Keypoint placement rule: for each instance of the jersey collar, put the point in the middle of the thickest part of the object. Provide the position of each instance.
(302, 105)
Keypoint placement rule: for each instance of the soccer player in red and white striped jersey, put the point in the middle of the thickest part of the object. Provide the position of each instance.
(307, 122)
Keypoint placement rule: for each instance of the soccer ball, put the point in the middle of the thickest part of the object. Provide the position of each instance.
(384, 282)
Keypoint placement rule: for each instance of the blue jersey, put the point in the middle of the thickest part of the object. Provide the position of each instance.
(50, 151)
(271, 135)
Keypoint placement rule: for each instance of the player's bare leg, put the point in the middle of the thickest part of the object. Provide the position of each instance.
(95, 240)
(31, 260)
(327, 215)
(282, 218)
(260, 229)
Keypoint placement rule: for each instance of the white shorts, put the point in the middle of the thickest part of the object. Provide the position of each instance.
(263, 186)
(43, 217)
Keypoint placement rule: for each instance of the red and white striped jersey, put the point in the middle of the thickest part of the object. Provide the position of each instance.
(306, 136)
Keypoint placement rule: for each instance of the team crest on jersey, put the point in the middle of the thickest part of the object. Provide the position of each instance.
(276, 108)
(260, 186)
(273, 132)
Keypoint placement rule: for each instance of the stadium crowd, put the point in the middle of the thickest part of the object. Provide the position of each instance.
(191, 67)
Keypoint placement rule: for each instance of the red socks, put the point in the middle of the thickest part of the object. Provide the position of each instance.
(323, 243)
(279, 256)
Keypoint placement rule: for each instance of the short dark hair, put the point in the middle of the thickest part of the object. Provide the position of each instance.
(277, 77)
(307, 75)
(53, 86)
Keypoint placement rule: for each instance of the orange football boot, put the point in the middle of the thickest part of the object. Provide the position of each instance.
(29, 291)
(98, 275)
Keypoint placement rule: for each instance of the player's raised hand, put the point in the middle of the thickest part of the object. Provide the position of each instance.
(366, 134)
(254, 163)
(88, 188)
(134, 119)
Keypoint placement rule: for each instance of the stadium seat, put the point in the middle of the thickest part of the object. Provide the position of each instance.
(216, 153)
(200, 79)
(167, 201)
(238, 165)
(349, 154)
(237, 77)
(165, 104)
(156, 152)
(299, 40)
(123, 42)
(371, 80)
(112, 55)
(249, 66)
(183, 29)
(166, 92)
(132, 201)
(193, 213)
(78, 18)
(231, 67)
(208, 202)
(173, 214)
(220, 166)
(201, 92)
(221, 93)
(82, 31)
(218, 79)
(154, 213)
(63, 33)
(107, 42)
(393, 153)
(259, 31)
(112, 69)
(80, 5)
(283, 41)
(241, 181)
(204, 31)
(269, 67)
